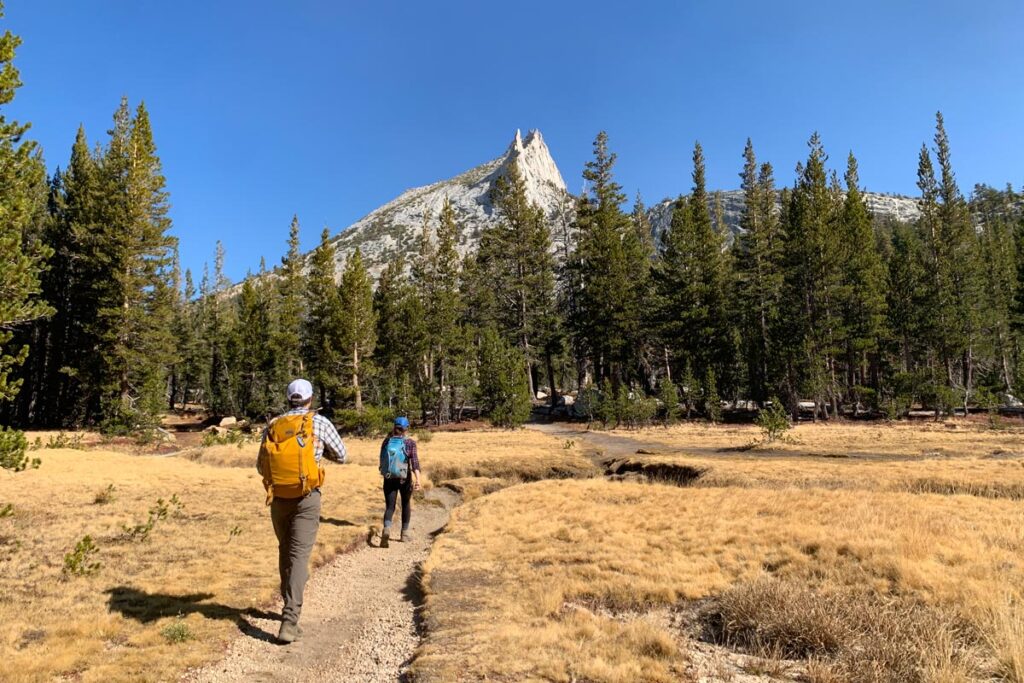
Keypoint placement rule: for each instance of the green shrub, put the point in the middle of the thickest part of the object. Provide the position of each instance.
(6, 510)
(504, 392)
(157, 513)
(372, 421)
(424, 435)
(773, 420)
(79, 562)
(587, 401)
(232, 436)
(13, 455)
(712, 401)
(638, 411)
(177, 632)
(62, 440)
(668, 394)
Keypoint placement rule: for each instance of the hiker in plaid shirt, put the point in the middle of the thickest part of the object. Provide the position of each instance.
(296, 520)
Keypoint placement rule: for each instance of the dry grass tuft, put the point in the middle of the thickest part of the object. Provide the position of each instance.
(849, 636)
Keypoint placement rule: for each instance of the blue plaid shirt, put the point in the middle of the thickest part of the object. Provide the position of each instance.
(325, 436)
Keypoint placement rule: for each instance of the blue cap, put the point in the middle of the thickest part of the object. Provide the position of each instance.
(402, 422)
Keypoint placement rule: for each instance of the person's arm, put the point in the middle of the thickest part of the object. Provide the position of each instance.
(334, 447)
(382, 466)
(414, 463)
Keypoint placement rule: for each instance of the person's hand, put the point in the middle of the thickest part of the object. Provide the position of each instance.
(416, 485)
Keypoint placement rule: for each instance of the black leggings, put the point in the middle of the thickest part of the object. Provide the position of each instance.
(392, 487)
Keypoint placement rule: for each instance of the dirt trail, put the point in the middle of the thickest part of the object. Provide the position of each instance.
(359, 618)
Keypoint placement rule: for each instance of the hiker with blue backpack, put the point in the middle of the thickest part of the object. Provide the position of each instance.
(400, 467)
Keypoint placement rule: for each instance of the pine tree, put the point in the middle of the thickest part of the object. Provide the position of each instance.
(132, 247)
(255, 361)
(322, 340)
(998, 256)
(610, 272)
(289, 311)
(516, 271)
(759, 271)
(863, 297)
(437, 279)
(813, 276)
(359, 324)
(952, 268)
(401, 336)
(694, 315)
(71, 284)
(218, 321)
(22, 253)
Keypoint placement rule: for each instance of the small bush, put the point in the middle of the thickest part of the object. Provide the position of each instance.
(6, 511)
(773, 420)
(372, 421)
(232, 436)
(668, 394)
(79, 562)
(235, 532)
(13, 455)
(157, 513)
(177, 632)
(105, 496)
(425, 436)
(62, 440)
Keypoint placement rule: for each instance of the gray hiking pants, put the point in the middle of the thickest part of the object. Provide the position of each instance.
(296, 521)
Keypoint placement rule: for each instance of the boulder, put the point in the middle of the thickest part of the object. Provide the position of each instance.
(228, 421)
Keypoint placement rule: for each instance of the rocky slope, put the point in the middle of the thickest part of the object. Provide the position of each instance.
(882, 206)
(396, 227)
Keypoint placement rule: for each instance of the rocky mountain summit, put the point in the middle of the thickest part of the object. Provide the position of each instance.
(396, 227)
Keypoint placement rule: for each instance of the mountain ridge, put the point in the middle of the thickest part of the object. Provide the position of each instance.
(395, 227)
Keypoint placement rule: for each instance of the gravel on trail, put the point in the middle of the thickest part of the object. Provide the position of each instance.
(359, 617)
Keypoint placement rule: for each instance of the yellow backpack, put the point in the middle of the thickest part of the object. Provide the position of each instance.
(288, 458)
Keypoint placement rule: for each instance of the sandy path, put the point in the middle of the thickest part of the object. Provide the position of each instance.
(359, 618)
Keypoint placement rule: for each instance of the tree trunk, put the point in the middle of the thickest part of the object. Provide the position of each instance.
(355, 377)
(549, 361)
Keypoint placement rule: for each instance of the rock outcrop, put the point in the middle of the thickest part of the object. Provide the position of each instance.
(396, 227)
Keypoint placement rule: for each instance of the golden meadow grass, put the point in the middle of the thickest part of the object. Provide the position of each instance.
(199, 568)
(842, 439)
(553, 580)
(202, 565)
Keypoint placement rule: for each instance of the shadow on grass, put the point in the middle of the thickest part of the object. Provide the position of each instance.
(146, 608)
(336, 522)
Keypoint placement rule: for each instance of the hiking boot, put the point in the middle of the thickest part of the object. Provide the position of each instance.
(384, 536)
(289, 632)
(406, 536)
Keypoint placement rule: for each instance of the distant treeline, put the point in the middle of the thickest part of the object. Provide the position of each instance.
(813, 301)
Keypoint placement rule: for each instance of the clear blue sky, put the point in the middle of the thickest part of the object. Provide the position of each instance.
(328, 109)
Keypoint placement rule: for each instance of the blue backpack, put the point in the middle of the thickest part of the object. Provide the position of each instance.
(397, 464)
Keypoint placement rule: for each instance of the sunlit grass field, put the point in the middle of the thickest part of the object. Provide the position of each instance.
(782, 563)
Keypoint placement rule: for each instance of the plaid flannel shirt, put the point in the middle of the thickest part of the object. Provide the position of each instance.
(325, 436)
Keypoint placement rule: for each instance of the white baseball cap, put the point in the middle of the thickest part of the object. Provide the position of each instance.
(300, 391)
